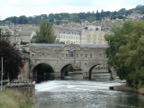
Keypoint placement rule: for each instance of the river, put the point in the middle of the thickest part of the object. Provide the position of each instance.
(84, 94)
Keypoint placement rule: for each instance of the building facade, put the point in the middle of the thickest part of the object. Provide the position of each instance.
(84, 35)
(68, 35)
(94, 35)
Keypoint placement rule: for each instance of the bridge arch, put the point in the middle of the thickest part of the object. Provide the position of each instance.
(82, 57)
(99, 72)
(90, 70)
(42, 72)
(65, 70)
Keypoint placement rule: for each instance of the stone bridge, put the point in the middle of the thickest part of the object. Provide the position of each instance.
(58, 56)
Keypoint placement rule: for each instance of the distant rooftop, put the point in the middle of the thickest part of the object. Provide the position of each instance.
(64, 45)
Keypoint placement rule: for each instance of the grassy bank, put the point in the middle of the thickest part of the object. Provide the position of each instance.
(14, 99)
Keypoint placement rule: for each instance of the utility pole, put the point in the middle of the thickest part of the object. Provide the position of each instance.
(1, 73)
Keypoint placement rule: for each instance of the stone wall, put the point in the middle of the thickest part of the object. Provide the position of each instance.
(26, 89)
(24, 74)
(60, 55)
(128, 89)
(84, 56)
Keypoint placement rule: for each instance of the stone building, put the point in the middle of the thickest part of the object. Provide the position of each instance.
(27, 32)
(84, 35)
(89, 34)
(94, 35)
(68, 35)
(18, 34)
(12, 35)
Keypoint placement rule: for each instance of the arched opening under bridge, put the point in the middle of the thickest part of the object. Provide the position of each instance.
(70, 72)
(99, 72)
(43, 72)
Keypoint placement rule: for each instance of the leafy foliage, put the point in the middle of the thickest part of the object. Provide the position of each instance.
(117, 39)
(0, 34)
(126, 52)
(73, 17)
(12, 61)
(46, 34)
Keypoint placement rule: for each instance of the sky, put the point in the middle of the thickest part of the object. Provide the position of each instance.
(10, 8)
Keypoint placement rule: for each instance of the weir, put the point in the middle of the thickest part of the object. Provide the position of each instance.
(84, 94)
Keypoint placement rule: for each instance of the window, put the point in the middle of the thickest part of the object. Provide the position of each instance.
(90, 55)
(77, 55)
(32, 54)
(97, 29)
(71, 53)
(86, 28)
(100, 55)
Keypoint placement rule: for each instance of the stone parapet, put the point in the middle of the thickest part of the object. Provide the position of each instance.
(27, 89)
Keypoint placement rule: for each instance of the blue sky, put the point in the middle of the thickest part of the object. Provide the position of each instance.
(36, 7)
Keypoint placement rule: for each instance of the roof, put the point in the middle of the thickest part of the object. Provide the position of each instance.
(64, 45)
(68, 29)
(27, 31)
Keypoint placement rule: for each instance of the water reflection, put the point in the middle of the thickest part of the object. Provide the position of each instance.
(126, 100)
(84, 94)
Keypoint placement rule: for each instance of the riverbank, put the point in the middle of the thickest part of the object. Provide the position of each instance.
(127, 89)
(14, 99)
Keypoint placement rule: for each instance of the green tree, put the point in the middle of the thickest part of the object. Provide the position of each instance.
(45, 34)
(116, 39)
(125, 51)
(23, 20)
(12, 60)
(0, 34)
(131, 55)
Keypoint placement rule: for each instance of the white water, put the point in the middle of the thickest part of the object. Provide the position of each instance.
(84, 94)
(70, 85)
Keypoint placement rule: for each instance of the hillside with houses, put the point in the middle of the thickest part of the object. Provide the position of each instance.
(67, 31)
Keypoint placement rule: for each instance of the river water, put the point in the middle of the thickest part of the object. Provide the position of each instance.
(84, 94)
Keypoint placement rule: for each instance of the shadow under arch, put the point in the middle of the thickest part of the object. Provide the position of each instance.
(65, 70)
(90, 71)
(43, 72)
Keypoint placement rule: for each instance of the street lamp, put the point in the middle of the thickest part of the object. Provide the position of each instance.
(1, 73)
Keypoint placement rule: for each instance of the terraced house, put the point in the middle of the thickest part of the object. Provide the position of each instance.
(89, 34)
(83, 35)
